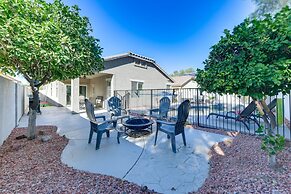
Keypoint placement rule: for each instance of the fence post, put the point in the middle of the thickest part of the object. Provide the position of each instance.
(197, 103)
(151, 98)
(126, 101)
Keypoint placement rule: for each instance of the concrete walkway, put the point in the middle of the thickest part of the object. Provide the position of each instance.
(134, 159)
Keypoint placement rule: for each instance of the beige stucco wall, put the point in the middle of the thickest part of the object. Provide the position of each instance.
(191, 84)
(12, 105)
(57, 90)
(126, 70)
(187, 91)
(97, 86)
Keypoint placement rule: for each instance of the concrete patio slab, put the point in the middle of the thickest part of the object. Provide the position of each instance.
(134, 159)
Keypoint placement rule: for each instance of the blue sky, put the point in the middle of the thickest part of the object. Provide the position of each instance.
(177, 34)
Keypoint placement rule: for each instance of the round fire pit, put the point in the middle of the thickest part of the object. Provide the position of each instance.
(136, 127)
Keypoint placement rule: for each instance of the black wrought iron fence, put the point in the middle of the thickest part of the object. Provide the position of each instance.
(229, 112)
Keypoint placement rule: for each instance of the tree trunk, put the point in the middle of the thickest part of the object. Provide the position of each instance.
(270, 114)
(262, 113)
(270, 121)
(31, 124)
(32, 115)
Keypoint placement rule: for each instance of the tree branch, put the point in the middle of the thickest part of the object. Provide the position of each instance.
(43, 80)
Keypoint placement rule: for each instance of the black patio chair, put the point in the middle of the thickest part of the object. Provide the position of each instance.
(175, 128)
(118, 114)
(271, 106)
(99, 128)
(114, 107)
(246, 115)
(162, 111)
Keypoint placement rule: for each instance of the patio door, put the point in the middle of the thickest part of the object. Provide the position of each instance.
(82, 92)
(68, 96)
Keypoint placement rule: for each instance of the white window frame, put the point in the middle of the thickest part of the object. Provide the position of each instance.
(137, 81)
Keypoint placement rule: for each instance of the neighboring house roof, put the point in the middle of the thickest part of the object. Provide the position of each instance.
(180, 81)
(130, 54)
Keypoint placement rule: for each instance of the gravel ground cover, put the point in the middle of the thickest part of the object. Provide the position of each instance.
(237, 166)
(35, 167)
(240, 166)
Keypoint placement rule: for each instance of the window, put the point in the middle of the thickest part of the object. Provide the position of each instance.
(141, 64)
(135, 87)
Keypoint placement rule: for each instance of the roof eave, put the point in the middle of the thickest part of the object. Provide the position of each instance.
(131, 54)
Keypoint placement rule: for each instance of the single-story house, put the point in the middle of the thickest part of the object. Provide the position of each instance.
(128, 71)
(186, 81)
(184, 86)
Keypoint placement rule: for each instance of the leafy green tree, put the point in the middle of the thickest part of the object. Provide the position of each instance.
(184, 72)
(175, 73)
(45, 42)
(253, 60)
(269, 6)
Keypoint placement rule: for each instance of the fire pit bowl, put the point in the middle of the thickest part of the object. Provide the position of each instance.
(137, 123)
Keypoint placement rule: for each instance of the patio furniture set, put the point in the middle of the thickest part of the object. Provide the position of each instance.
(122, 122)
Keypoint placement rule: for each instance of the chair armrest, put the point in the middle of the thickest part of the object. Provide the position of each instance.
(120, 117)
(165, 122)
(100, 117)
(104, 122)
(107, 122)
(122, 109)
